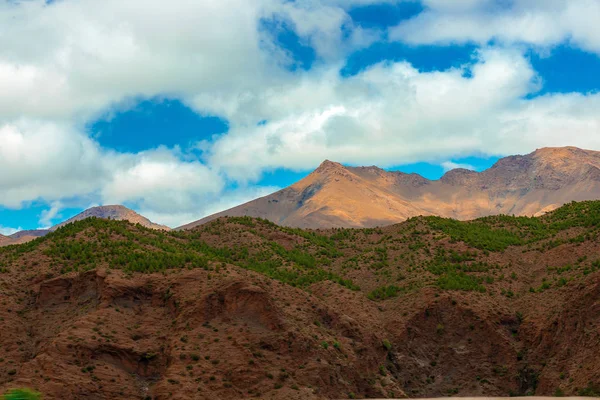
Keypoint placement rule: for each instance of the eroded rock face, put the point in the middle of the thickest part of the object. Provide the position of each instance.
(567, 339)
(444, 340)
(244, 303)
(82, 288)
(102, 335)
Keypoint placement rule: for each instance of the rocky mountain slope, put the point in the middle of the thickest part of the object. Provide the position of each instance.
(29, 233)
(242, 308)
(338, 196)
(116, 212)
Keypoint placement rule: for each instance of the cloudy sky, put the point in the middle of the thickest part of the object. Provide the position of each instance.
(182, 108)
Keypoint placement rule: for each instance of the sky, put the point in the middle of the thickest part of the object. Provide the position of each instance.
(182, 108)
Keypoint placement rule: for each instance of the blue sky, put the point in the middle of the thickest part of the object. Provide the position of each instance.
(179, 114)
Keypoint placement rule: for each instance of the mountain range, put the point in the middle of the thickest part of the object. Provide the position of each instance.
(335, 195)
(339, 196)
(113, 306)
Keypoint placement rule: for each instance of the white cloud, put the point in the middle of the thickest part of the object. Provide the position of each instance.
(48, 161)
(387, 115)
(6, 231)
(450, 165)
(74, 58)
(161, 182)
(51, 214)
(541, 23)
(64, 63)
(41, 159)
(393, 114)
(177, 217)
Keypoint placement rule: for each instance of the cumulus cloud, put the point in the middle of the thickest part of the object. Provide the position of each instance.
(50, 214)
(64, 63)
(392, 114)
(388, 115)
(176, 217)
(541, 23)
(450, 165)
(42, 159)
(161, 182)
(6, 231)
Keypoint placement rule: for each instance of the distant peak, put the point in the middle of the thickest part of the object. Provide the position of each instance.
(458, 176)
(329, 163)
(460, 171)
(370, 168)
(116, 212)
(552, 149)
(329, 166)
(111, 207)
(567, 151)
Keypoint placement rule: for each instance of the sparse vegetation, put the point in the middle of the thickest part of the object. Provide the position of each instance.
(384, 292)
(591, 390)
(392, 264)
(121, 245)
(460, 281)
(21, 394)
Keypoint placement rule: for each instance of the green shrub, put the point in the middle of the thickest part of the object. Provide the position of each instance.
(460, 281)
(22, 394)
(384, 292)
(590, 391)
(387, 344)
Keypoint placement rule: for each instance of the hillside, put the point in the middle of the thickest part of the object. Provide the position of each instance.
(244, 308)
(338, 196)
(117, 212)
(29, 233)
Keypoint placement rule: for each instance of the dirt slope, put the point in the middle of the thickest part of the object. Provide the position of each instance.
(338, 196)
(243, 308)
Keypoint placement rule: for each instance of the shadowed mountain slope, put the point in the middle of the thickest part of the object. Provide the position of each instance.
(338, 196)
(32, 233)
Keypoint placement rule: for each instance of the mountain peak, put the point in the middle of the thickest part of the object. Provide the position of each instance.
(561, 152)
(458, 176)
(117, 212)
(327, 166)
(338, 196)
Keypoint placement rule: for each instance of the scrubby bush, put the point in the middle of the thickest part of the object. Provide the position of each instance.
(22, 394)
(384, 292)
